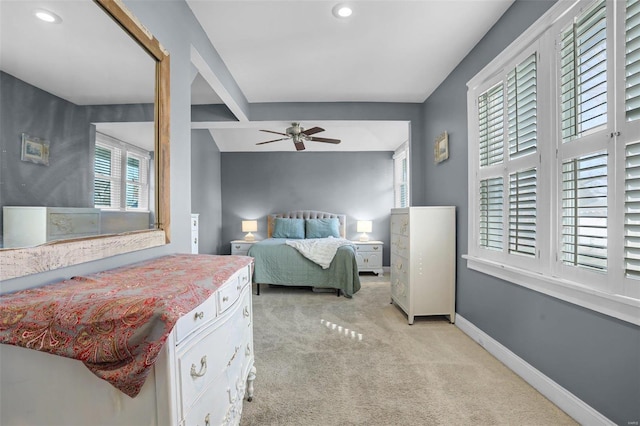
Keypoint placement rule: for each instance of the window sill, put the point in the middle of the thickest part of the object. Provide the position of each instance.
(617, 306)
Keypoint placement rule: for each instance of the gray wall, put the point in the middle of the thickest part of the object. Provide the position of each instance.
(206, 191)
(593, 356)
(68, 180)
(358, 184)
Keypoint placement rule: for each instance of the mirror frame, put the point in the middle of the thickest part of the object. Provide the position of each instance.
(20, 262)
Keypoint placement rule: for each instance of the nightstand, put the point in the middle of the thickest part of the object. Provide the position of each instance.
(240, 247)
(369, 256)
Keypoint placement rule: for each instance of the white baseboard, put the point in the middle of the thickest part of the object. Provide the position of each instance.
(568, 402)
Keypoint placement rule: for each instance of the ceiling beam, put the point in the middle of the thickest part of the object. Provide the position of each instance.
(237, 106)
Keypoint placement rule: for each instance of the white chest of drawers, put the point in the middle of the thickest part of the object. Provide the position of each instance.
(195, 224)
(423, 250)
(240, 247)
(369, 256)
(200, 377)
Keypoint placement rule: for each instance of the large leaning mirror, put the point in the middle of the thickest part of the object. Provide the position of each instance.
(84, 135)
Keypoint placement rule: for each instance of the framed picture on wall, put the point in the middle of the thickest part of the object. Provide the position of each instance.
(441, 148)
(35, 150)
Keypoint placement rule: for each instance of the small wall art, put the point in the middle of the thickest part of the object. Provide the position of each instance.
(35, 150)
(441, 148)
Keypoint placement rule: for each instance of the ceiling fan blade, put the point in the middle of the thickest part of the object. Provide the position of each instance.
(327, 140)
(313, 131)
(299, 146)
(277, 133)
(275, 140)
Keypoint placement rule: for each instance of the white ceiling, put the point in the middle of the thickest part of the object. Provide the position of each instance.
(387, 51)
(276, 51)
(355, 135)
(297, 51)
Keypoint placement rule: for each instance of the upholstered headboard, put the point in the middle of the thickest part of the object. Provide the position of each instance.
(307, 214)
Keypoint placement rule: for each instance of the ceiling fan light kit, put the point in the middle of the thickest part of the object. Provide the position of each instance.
(299, 135)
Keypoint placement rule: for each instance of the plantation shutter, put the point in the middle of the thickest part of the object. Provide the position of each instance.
(632, 60)
(136, 188)
(632, 211)
(491, 227)
(133, 178)
(491, 126)
(584, 211)
(522, 108)
(106, 186)
(522, 212)
(584, 73)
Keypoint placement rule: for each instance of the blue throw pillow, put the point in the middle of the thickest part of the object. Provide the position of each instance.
(323, 228)
(288, 228)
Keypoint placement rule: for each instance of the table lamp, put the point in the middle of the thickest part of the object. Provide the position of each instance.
(364, 226)
(249, 226)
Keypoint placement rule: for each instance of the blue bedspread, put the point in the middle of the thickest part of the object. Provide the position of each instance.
(278, 263)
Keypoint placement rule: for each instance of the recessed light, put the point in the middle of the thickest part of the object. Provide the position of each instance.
(47, 16)
(342, 10)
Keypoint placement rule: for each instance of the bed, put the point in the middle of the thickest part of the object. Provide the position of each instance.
(278, 262)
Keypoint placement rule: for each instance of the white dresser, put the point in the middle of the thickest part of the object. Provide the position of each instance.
(423, 260)
(240, 247)
(369, 256)
(200, 377)
(32, 226)
(195, 223)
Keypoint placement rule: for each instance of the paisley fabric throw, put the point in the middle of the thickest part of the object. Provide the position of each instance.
(115, 321)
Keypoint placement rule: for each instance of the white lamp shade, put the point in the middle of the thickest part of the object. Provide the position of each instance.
(364, 226)
(249, 225)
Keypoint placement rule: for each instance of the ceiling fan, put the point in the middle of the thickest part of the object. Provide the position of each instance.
(299, 135)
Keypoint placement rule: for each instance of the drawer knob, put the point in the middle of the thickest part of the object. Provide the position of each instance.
(195, 241)
(199, 315)
(203, 368)
(237, 247)
(246, 311)
(225, 299)
(375, 247)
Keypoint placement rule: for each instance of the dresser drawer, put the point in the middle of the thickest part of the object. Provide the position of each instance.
(229, 293)
(400, 224)
(369, 248)
(400, 291)
(213, 408)
(400, 278)
(240, 248)
(244, 276)
(198, 317)
(64, 223)
(400, 245)
(205, 361)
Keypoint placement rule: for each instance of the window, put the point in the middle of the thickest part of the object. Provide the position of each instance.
(115, 187)
(401, 176)
(554, 192)
(491, 201)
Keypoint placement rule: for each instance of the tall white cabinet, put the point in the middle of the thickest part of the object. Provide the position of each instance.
(195, 224)
(423, 260)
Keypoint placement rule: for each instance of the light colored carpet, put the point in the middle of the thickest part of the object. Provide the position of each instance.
(429, 373)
